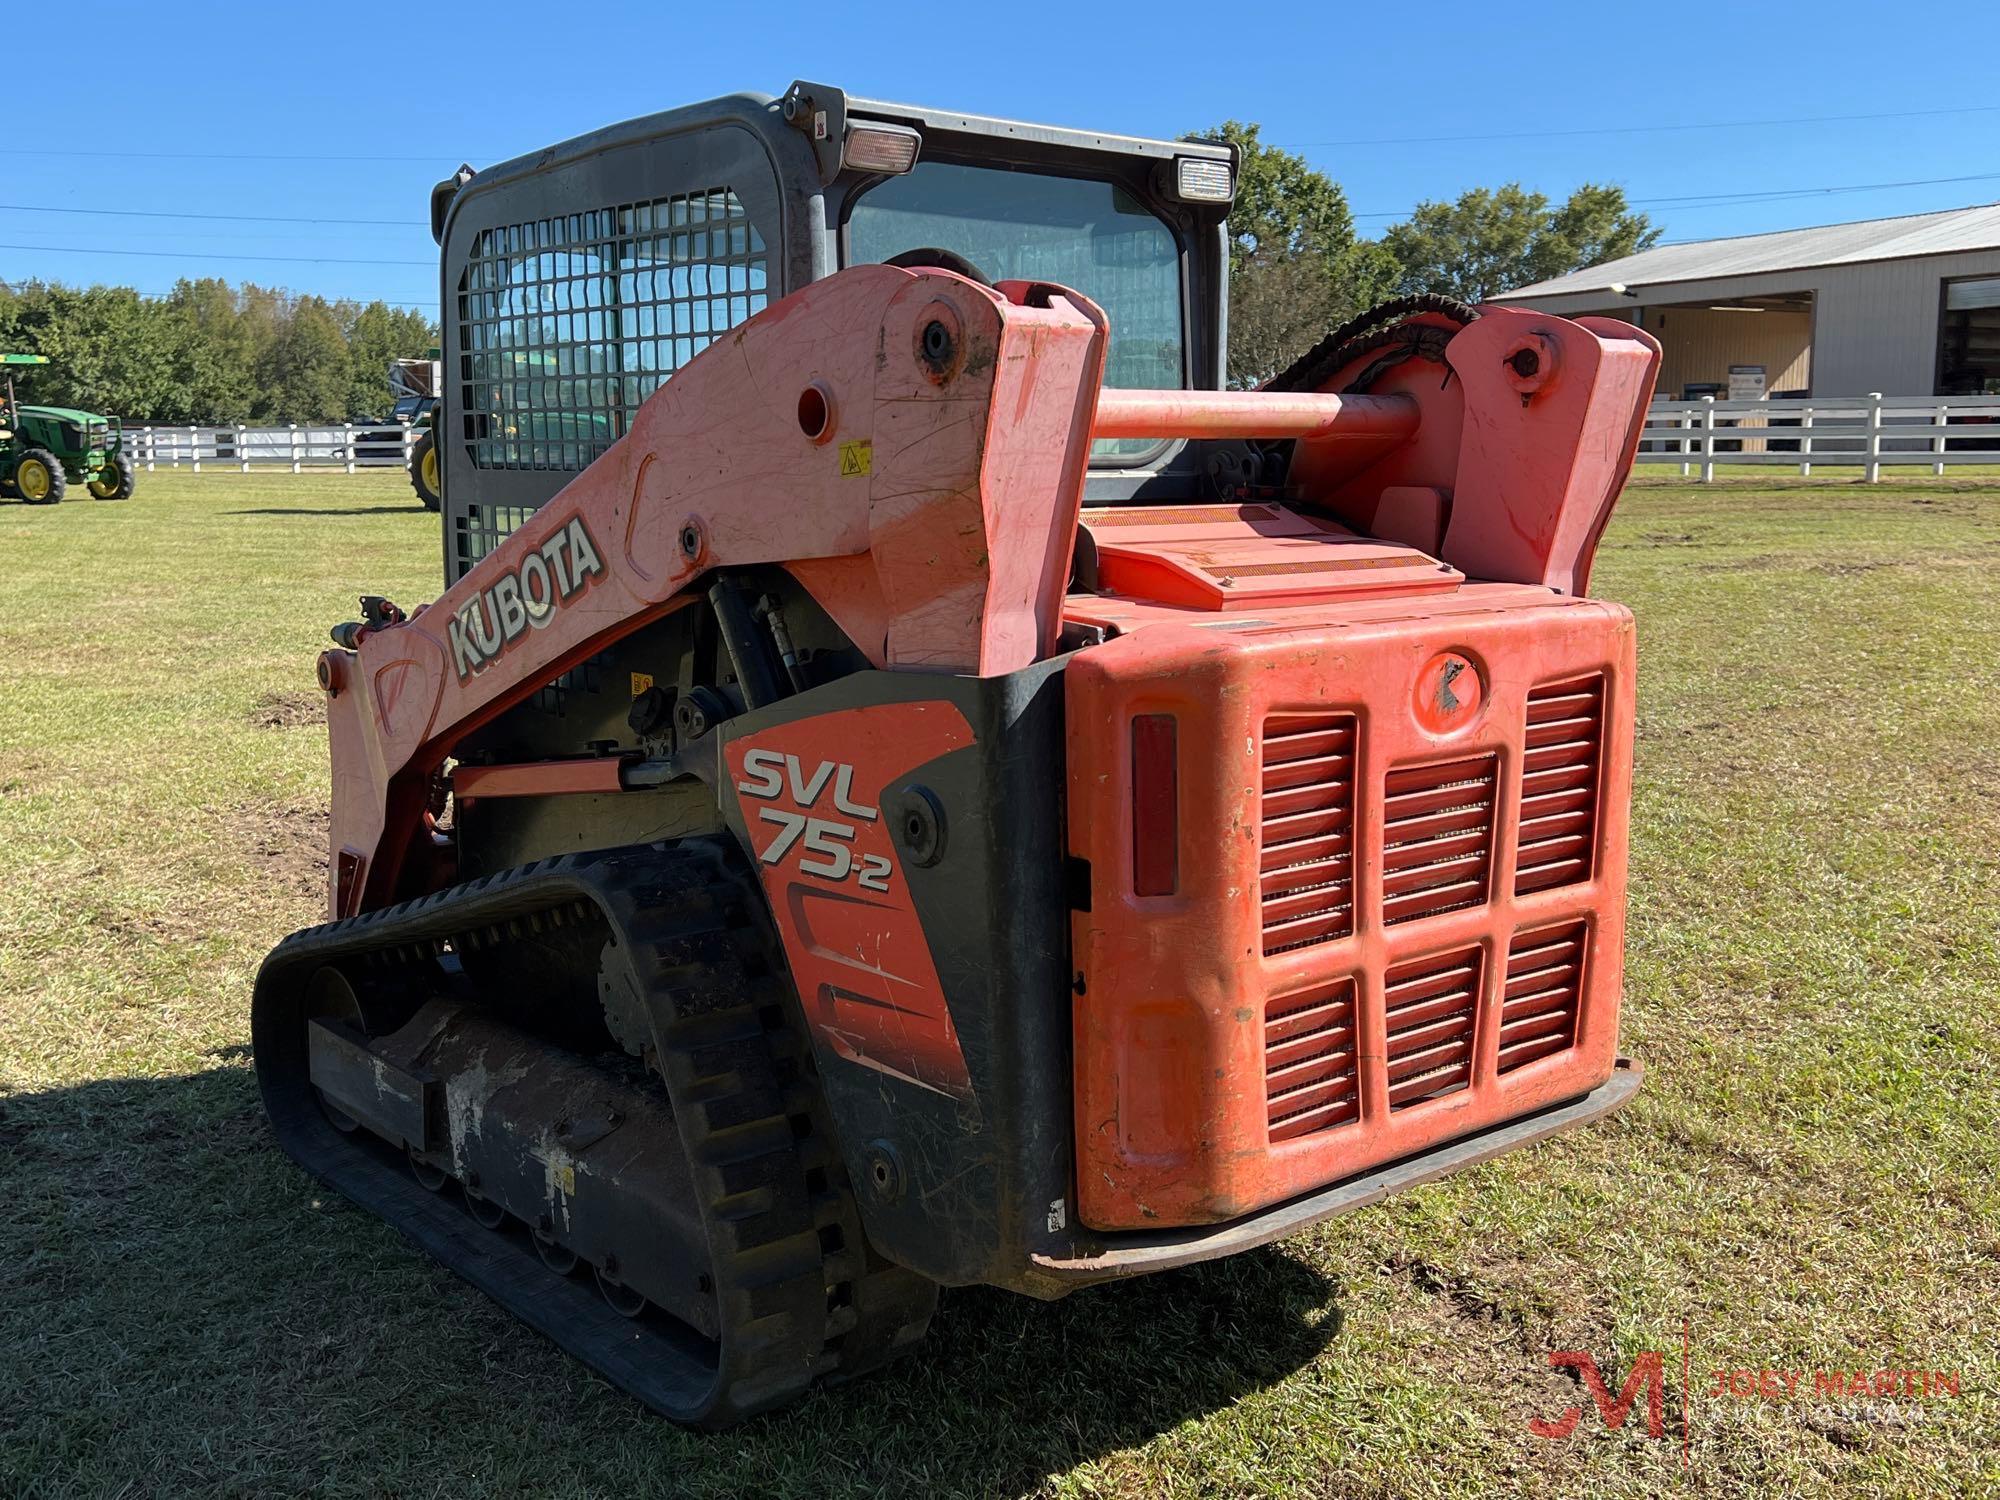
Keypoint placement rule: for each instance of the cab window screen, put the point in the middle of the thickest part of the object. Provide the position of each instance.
(1023, 226)
(567, 324)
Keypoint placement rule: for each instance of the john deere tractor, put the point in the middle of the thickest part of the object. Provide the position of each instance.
(416, 382)
(44, 448)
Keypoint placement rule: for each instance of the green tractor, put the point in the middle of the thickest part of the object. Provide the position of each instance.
(415, 383)
(44, 448)
(425, 477)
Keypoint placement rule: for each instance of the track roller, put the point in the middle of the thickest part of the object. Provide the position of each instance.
(486, 1211)
(621, 1298)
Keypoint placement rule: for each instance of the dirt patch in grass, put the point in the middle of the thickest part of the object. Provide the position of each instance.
(163, 927)
(288, 710)
(288, 844)
(1460, 1294)
(1481, 1336)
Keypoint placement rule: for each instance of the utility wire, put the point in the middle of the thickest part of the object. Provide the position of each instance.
(1780, 195)
(435, 158)
(422, 307)
(364, 301)
(1689, 200)
(221, 238)
(1538, 135)
(308, 260)
(1755, 195)
(414, 222)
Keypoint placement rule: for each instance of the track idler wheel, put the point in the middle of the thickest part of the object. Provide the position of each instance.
(331, 997)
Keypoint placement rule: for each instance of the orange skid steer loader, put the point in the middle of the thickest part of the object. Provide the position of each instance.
(909, 784)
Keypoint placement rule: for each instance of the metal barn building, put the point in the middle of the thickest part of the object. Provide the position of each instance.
(1907, 306)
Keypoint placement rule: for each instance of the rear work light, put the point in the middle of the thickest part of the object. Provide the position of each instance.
(881, 148)
(1156, 813)
(1197, 179)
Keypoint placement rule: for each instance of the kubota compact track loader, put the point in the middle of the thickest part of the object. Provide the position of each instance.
(936, 791)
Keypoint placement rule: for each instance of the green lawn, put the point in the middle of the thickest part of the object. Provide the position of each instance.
(1808, 1177)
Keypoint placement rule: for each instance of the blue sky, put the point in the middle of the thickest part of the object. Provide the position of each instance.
(286, 112)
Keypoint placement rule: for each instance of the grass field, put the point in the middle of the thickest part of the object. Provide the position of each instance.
(1808, 1178)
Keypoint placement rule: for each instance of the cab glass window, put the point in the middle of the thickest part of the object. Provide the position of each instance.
(1026, 226)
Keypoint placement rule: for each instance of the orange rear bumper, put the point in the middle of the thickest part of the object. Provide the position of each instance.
(1395, 923)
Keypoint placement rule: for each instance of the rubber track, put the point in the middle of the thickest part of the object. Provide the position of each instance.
(1363, 334)
(799, 1296)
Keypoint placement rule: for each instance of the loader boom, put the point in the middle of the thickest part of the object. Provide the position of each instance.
(870, 400)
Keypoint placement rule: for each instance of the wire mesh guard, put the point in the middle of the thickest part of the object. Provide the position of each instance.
(566, 325)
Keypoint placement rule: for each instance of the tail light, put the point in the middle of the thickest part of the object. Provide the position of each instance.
(1156, 830)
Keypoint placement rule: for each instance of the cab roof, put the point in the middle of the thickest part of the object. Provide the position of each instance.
(765, 112)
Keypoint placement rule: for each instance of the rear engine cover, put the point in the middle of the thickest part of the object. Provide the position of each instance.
(1398, 903)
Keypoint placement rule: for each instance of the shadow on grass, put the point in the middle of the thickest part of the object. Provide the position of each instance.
(342, 510)
(155, 1228)
(15, 503)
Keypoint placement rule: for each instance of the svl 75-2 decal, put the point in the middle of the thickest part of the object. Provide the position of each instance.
(826, 843)
(811, 796)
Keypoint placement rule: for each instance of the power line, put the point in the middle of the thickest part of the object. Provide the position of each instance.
(147, 213)
(1692, 200)
(1395, 140)
(291, 156)
(422, 307)
(1757, 195)
(1403, 140)
(308, 260)
(1536, 135)
(1719, 200)
(1687, 201)
(223, 239)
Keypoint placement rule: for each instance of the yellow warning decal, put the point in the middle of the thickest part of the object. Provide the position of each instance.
(856, 458)
(640, 682)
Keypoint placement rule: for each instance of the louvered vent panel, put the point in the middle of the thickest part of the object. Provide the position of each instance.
(1437, 837)
(1307, 882)
(1538, 1009)
(1559, 778)
(1309, 1050)
(1430, 1005)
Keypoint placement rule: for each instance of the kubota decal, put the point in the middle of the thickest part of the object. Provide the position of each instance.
(812, 795)
(524, 597)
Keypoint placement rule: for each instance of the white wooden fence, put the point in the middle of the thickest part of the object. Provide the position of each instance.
(1871, 432)
(297, 448)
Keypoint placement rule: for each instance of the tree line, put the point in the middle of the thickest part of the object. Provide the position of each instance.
(208, 352)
